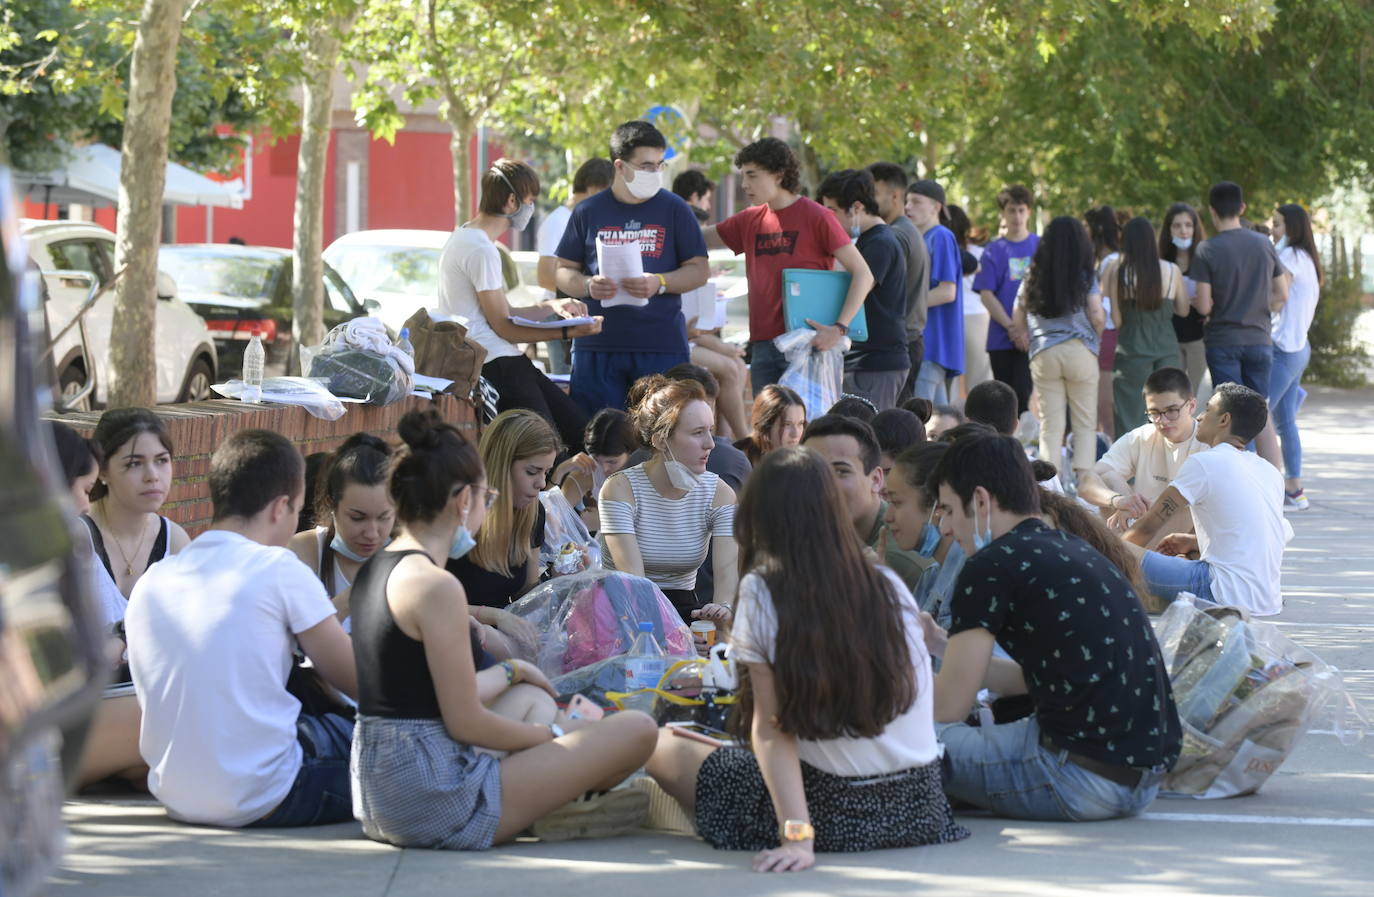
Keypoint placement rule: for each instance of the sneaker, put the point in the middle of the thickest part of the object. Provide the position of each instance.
(595, 815)
(1295, 501)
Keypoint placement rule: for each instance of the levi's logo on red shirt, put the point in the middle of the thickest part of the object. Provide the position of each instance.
(783, 243)
(651, 237)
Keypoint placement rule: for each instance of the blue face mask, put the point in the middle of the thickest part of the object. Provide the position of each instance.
(339, 546)
(930, 537)
(981, 539)
(463, 542)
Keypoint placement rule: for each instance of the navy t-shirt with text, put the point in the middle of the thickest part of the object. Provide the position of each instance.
(668, 235)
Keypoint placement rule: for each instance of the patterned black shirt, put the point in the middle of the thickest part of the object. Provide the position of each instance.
(1082, 639)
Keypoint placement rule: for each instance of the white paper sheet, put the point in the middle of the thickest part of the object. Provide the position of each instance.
(551, 325)
(619, 261)
(438, 384)
(703, 305)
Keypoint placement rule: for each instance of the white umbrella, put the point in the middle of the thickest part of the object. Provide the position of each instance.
(91, 177)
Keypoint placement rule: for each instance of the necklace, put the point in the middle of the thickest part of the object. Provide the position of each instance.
(124, 555)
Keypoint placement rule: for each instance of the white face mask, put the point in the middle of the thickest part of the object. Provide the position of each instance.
(521, 219)
(643, 184)
(1282, 244)
(981, 538)
(1182, 243)
(679, 474)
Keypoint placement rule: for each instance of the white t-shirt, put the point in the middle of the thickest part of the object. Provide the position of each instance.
(972, 304)
(550, 233)
(1289, 326)
(1102, 267)
(210, 635)
(1237, 504)
(470, 263)
(908, 741)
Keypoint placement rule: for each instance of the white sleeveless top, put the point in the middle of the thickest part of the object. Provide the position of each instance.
(673, 533)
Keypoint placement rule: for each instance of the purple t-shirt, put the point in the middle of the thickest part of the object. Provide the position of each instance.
(1004, 264)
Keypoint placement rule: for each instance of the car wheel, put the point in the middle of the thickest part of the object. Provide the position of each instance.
(198, 380)
(72, 381)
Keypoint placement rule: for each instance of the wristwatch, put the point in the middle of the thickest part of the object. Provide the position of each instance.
(662, 284)
(844, 328)
(798, 830)
(556, 729)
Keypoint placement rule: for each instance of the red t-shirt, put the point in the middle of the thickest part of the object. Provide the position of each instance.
(803, 235)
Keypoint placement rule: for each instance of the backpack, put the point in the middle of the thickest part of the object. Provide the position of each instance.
(443, 349)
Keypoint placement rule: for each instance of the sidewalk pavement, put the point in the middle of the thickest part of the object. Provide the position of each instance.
(1309, 831)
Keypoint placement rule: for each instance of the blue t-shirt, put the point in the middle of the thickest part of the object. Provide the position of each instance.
(945, 323)
(1004, 265)
(668, 235)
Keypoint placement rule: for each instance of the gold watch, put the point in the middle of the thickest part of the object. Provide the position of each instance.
(798, 830)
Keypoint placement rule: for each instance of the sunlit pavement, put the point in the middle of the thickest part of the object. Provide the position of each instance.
(1309, 833)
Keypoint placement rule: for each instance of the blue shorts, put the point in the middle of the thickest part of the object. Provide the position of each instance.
(601, 379)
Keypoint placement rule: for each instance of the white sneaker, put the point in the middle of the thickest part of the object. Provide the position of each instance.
(1295, 501)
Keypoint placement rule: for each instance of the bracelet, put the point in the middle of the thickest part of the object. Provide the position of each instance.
(510, 672)
(1111, 502)
(662, 284)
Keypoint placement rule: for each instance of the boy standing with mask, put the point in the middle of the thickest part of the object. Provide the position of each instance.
(634, 340)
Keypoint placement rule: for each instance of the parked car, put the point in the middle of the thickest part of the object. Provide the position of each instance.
(187, 362)
(242, 290)
(399, 270)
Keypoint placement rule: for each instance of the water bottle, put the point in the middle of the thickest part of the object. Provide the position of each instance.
(403, 342)
(253, 361)
(645, 665)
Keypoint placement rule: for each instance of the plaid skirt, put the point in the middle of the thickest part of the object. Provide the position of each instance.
(414, 786)
(850, 813)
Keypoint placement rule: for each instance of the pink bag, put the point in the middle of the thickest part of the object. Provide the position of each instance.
(602, 621)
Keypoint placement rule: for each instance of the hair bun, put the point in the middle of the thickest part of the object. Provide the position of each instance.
(642, 390)
(1043, 470)
(422, 430)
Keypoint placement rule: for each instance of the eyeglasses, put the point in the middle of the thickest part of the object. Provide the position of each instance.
(1169, 414)
(492, 496)
(650, 167)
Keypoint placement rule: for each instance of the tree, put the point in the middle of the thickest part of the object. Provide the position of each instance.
(152, 82)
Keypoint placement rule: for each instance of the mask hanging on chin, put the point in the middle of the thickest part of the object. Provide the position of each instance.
(340, 547)
(679, 474)
(1282, 244)
(463, 542)
(643, 184)
(981, 538)
(930, 537)
(1180, 243)
(521, 219)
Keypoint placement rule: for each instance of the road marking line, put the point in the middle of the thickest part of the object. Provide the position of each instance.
(1260, 820)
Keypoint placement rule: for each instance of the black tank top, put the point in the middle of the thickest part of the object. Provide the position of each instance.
(157, 553)
(393, 669)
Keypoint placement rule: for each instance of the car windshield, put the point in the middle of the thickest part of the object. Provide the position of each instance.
(369, 270)
(212, 274)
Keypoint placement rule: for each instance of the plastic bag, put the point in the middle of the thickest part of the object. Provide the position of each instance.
(589, 617)
(817, 377)
(309, 393)
(1245, 694)
(564, 531)
(358, 361)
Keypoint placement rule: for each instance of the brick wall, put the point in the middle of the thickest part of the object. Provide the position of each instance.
(198, 427)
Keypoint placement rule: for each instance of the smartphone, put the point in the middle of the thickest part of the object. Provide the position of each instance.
(583, 707)
(703, 733)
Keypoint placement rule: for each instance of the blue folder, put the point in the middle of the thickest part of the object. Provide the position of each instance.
(818, 295)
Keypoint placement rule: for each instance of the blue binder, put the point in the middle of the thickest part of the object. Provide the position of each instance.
(818, 295)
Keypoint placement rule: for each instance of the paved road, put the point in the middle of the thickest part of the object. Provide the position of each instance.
(1310, 833)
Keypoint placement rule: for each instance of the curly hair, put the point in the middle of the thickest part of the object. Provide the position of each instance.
(771, 154)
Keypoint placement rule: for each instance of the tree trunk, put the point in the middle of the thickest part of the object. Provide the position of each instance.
(460, 146)
(810, 168)
(307, 266)
(142, 177)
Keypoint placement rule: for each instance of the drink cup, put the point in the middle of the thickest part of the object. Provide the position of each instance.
(705, 630)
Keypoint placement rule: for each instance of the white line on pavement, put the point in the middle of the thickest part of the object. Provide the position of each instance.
(1260, 820)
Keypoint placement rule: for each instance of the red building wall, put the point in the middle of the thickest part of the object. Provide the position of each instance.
(410, 184)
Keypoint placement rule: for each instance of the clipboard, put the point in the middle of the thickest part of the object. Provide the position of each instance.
(818, 295)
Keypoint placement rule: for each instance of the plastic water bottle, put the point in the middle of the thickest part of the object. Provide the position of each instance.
(254, 360)
(645, 665)
(403, 342)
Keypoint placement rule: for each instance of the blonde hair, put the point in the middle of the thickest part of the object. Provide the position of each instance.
(657, 402)
(503, 541)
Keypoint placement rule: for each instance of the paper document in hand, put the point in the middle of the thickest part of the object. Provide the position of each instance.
(551, 325)
(703, 305)
(619, 261)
